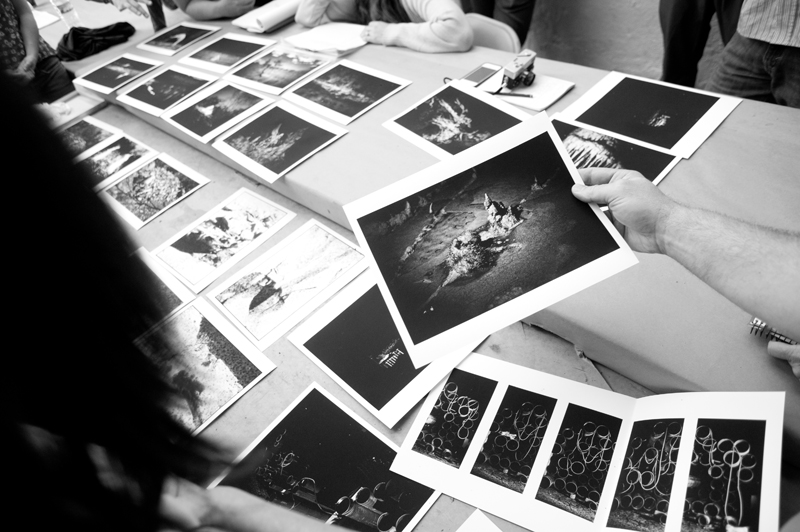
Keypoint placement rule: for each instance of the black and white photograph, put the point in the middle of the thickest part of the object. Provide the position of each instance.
(724, 487)
(207, 360)
(589, 148)
(284, 285)
(345, 91)
(147, 191)
(226, 51)
(474, 240)
(277, 139)
(107, 164)
(675, 118)
(172, 40)
(645, 483)
(171, 295)
(222, 237)
(354, 340)
(579, 461)
(164, 89)
(455, 118)
(277, 69)
(318, 459)
(451, 424)
(112, 75)
(514, 439)
(88, 134)
(214, 110)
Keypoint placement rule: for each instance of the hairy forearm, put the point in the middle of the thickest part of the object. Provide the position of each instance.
(757, 268)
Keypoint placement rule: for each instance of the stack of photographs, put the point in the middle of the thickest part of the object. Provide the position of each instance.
(87, 136)
(112, 160)
(177, 38)
(550, 454)
(277, 69)
(112, 75)
(225, 52)
(161, 91)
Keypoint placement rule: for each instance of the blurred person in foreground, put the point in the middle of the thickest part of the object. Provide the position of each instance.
(89, 443)
(725, 253)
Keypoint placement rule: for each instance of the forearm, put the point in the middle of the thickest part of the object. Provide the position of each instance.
(203, 9)
(447, 34)
(29, 31)
(311, 13)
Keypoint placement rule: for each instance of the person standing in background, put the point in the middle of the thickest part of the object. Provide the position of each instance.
(515, 13)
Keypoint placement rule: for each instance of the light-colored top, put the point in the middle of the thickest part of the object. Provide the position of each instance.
(436, 25)
(772, 21)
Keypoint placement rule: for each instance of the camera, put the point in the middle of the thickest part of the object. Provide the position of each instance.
(520, 70)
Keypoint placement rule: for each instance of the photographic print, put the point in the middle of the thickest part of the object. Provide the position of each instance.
(110, 76)
(164, 89)
(668, 116)
(214, 109)
(150, 189)
(318, 459)
(172, 40)
(579, 461)
(454, 118)
(170, 295)
(288, 282)
(589, 148)
(222, 237)
(354, 340)
(277, 69)
(477, 242)
(276, 140)
(225, 52)
(107, 164)
(645, 483)
(346, 91)
(207, 360)
(724, 486)
(514, 439)
(88, 134)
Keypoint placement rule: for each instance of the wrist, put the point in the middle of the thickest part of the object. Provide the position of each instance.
(671, 218)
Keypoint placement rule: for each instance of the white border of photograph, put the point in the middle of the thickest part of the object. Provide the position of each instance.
(124, 97)
(221, 69)
(478, 522)
(479, 327)
(264, 173)
(685, 147)
(330, 114)
(80, 81)
(253, 354)
(270, 89)
(128, 216)
(409, 396)
(181, 292)
(151, 154)
(307, 308)
(242, 253)
(367, 427)
(676, 158)
(116, 133)
(163, 51)
(205, 93)
(436, 151)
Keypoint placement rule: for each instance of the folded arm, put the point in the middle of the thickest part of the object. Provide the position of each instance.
(443, 28)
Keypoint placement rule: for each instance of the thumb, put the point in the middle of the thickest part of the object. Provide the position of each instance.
(592, 194)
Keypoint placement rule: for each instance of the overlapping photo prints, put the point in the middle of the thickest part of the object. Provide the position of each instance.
(171, 295)
(226, 234)
(112, 75)
(172, 40)
(164, 89)
(345, 91)
(455, 118)
(147, 191)
(88, 135)
(277, 69)
(205, 358)
(320, 460)
(287, 283)
(354, 340)
(277, 139)
(108, 163)
(482, 239)
(226, 51)
(214, 109)
(551, 454)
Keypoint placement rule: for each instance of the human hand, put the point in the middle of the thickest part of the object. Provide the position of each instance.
(234, 8)
(133, 6)
(638, 209)
(25, 71)
(787, 352)
(374, 32)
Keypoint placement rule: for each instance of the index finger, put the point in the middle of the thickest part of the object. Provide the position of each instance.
(597, 176)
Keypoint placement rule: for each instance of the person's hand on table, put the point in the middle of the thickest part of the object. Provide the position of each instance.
(25, 71)
(374, 31)
(133, 6)
(787, 352)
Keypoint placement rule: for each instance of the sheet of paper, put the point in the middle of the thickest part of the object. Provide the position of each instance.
(107, 162)
(226, 51)
(158, 92)
(87, 136)
(541, 94)
(116, 73)
(335, 38)
(43, 18)
(177, 38)
(478, 522)
(268, 17)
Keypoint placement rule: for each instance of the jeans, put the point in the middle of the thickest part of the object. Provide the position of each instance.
(759, 71)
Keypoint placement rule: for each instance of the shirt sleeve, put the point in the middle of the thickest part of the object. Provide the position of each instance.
(312, 13)
(442, 27)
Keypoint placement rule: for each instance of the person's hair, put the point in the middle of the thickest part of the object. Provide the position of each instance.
(87, 435)
(390, 11)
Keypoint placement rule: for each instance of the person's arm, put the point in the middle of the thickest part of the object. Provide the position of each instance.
(311, 13)
(753, 266)
(444, 28)
(30, 38)
(214, 9)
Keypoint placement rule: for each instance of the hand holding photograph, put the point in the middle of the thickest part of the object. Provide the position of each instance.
(172, 40)
(112, 75)
(484, 239)
(225, 52)
(164, 89)
(277, 69)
